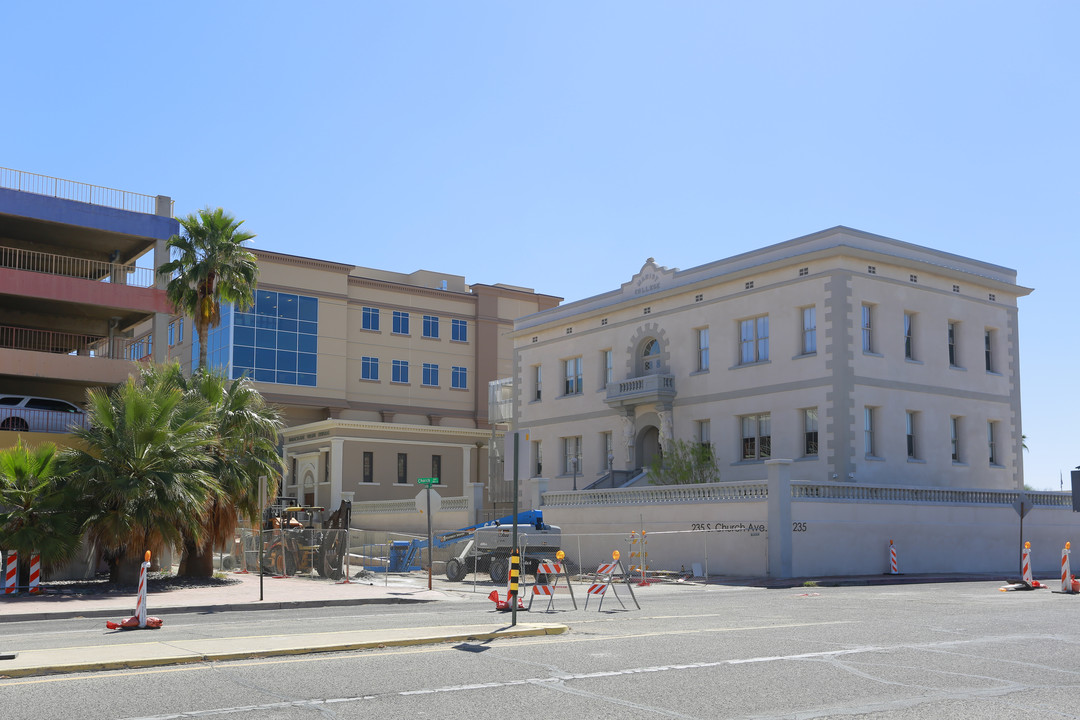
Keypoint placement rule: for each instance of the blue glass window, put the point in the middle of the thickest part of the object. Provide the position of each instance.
(431, 326)
(459, 330)
(431, 375)
(306, 362)
(401, 322)
(309, 309)
(400, 371)
(459, 378)
(369, 368)
(370, 318)
(288, 306)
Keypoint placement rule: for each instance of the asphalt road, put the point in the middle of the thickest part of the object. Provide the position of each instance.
(957, 650)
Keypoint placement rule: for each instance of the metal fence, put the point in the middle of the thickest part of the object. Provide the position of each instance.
(76, 267)
(80, 192)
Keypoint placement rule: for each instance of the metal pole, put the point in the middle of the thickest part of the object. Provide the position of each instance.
(514, 542)
(429, 542)
(705, 534)
(259, 529)
(1021, 539)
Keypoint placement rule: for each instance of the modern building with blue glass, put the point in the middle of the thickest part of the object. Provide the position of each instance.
(382, 376)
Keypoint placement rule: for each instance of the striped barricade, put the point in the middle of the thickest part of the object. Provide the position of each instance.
(549, 570)
(11, 573)
(602, 580)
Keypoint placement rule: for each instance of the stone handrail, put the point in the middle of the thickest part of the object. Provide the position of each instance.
(385, 507)
(894, 494)
(660, 494)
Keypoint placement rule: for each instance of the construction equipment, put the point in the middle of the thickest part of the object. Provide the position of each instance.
(296, 548)
(488, 545)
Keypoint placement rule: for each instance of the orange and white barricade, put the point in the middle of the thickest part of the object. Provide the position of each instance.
(550, 569)
(1026, 580)
(35, 573)
(1069, 583)
(603, 579)
(892, 559)
(139, 619)
(11, 573)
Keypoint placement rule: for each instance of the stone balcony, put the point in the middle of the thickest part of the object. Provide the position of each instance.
(641, 390)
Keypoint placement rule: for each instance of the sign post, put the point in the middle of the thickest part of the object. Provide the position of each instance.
(1022, 506)
(427, 483)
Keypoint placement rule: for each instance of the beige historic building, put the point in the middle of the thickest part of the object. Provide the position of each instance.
(383, 376)
(861, 358)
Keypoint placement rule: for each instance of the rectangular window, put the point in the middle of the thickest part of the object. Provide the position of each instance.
(608, 368)
(572, 368)
(754, 340)
(459, 330)
(436, 466)
(809, 330)
(954, 437)
(538, 459)
(431, 327)
(704, 432)
(431, 375)
(703, 349)
(369, 368)
(810, 432)
(952, 345)
(867, 328)
(756, 437)
(536, 382)
(401, 322)
(991, 441)
(912, 448)
(607, 452)
(909, 348)
(400, 371)
(459, 378)
(572, 455)
(868, 431)
(988, 343)
(370, 318)
(402, 468)
(369, 467)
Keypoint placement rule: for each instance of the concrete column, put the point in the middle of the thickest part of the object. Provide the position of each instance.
(160, 326)
(163, 206)
(337, 461)
(474, 493)
(536, 488)
(779, 528)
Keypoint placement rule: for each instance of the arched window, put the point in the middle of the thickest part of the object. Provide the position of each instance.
(650, 357)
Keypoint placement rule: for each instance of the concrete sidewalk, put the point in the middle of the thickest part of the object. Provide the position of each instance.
(151, 653)
(239, 596)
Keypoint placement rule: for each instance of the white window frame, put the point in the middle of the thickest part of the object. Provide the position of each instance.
(754, 340)
(954, 438)
(810, 428)
(952, 331)
(571, 449)
(459, 330)
(607, 450)
(430, 375)
(909, 340)
(399, 372)
(911, 421)
(459, 377)
(431, 327)
(572, 368)
(537, 383)
(369, 319)
(809, 330)
(607, 366)
(400, 322)
(989, 336)
(702, 349)
(867, 328)
(868, 431)
(991, 441)
(756, 437)
(369, 368)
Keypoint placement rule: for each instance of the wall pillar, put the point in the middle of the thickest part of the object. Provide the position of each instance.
(160, 325)
(474, 494)
(779, 527)
(336, 459)
(537, 486)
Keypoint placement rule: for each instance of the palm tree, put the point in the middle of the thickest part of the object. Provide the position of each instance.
(37, 514)
(143, 474)
(210, 266)
(244, 449)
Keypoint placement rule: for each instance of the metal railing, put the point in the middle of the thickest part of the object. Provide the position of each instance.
(96, 270)
(17, 338)
(79, 192)
(43, 421)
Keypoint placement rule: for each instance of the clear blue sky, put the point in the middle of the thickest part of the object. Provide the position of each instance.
(557, 145)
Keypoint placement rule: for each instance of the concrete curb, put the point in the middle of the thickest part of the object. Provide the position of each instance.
(205, 609)
(156, 654)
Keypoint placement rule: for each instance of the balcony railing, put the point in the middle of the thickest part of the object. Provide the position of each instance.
(80, 192)
(96, 270)
(647, 388)
(47, 341)
(43, 421)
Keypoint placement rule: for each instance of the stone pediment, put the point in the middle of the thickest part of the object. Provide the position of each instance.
(651, 278)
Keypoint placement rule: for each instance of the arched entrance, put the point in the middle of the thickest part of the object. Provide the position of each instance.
(648, 445)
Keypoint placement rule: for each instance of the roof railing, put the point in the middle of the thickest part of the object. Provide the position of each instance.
(84, 192)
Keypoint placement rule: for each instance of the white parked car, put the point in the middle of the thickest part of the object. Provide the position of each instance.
(23, 413)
